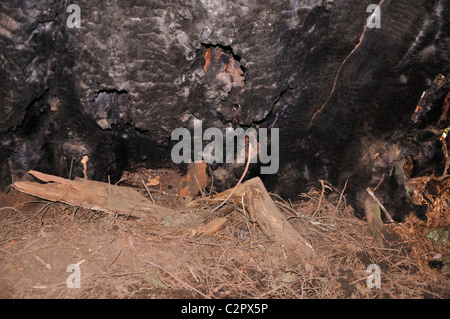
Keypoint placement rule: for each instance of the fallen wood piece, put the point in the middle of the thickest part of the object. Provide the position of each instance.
(380, 233)
(376, 225)
(93, 195)
(43, 262)
(386, 213)
(217, 198)
(194, 181)
(210, 228)
(272, 222)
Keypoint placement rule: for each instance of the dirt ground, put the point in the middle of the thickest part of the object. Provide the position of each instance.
(125, 257)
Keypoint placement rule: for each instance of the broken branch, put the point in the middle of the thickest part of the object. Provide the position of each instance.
(388, 216)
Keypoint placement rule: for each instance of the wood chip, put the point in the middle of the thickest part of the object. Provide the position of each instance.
(43, 262)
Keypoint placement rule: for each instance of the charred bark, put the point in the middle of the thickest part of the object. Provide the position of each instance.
(117, 87)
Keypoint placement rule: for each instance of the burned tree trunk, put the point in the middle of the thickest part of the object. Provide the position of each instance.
(116, 87)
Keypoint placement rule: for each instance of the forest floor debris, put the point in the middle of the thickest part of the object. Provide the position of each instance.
(126, 257)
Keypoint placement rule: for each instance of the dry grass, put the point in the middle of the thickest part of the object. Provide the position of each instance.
(140, 260)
